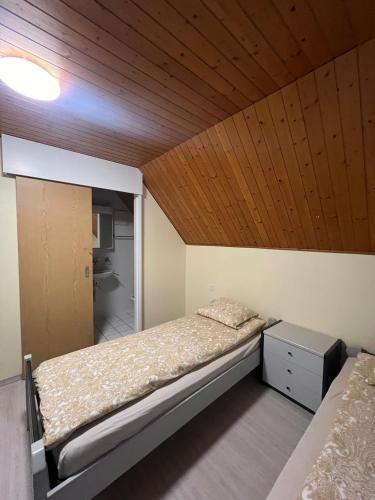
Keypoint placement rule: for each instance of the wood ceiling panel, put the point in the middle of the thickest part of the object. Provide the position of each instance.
(294, 170)
(335, 23)
(232, 16)
(366, 55)
(351, 123)
(315, 224)
(305, 29)
(140, 77)
(77, 77)
(246, 73)
(330, 112)
(308, 94)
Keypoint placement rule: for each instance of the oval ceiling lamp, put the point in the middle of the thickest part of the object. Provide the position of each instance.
(28, 79)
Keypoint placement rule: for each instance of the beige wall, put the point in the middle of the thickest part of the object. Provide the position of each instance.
(10, 330)
(163, 266)
(330, 292)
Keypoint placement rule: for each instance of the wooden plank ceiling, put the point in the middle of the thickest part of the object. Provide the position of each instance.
(294, 170)
(141, 76)
(248, 164)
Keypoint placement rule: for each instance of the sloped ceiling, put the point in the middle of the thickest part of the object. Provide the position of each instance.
(295, 170)
(190, 91)
(141, 76)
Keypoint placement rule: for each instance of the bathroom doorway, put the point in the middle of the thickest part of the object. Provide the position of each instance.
(113, 264)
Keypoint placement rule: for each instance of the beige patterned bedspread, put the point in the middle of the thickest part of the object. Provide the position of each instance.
(345, 469)
(84, 385)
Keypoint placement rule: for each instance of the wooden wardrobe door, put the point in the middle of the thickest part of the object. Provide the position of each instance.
(55, 262)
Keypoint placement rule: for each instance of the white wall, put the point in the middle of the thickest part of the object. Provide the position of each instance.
(330, 292)
(10, 329)
(163, 266)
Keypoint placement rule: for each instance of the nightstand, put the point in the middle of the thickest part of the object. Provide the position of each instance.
(300, 363)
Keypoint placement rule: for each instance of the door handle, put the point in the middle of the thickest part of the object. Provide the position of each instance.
(87, 272)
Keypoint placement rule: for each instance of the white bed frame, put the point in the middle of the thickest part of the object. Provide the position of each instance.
(95, 478)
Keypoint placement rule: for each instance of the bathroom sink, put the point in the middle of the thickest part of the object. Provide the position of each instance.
(102, 275)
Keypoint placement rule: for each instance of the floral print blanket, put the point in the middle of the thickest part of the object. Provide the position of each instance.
(82, 386)
(345, 469)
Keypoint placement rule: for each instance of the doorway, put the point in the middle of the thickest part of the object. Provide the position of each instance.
(113, 264)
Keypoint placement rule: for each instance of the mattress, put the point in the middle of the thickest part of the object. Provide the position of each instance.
(91, 442)
(291, 480)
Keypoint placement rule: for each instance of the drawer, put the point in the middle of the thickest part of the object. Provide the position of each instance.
(291, 373)
(293, 385)
(300, 357)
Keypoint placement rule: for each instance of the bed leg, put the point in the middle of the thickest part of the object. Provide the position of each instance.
(26, 360)
(39, 468)
(41, 484)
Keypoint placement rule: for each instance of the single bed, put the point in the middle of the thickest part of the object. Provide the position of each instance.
(93, 441)
(292, 478)
(94, 455)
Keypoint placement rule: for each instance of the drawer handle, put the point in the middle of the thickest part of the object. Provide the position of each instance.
(290, 354)
(289, 371)
(288, 388)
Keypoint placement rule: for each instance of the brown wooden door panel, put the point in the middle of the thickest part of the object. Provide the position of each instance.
(54, 240)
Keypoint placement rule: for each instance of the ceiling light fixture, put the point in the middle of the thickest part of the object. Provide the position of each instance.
(28, 79)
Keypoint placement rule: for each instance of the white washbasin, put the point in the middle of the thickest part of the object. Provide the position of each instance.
(102, 275)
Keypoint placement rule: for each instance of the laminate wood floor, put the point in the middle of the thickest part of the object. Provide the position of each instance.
(234, 449)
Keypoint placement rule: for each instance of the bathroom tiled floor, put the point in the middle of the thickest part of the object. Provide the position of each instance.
(113, 327)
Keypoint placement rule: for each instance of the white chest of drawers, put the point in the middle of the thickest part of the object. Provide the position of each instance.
(300, 363)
